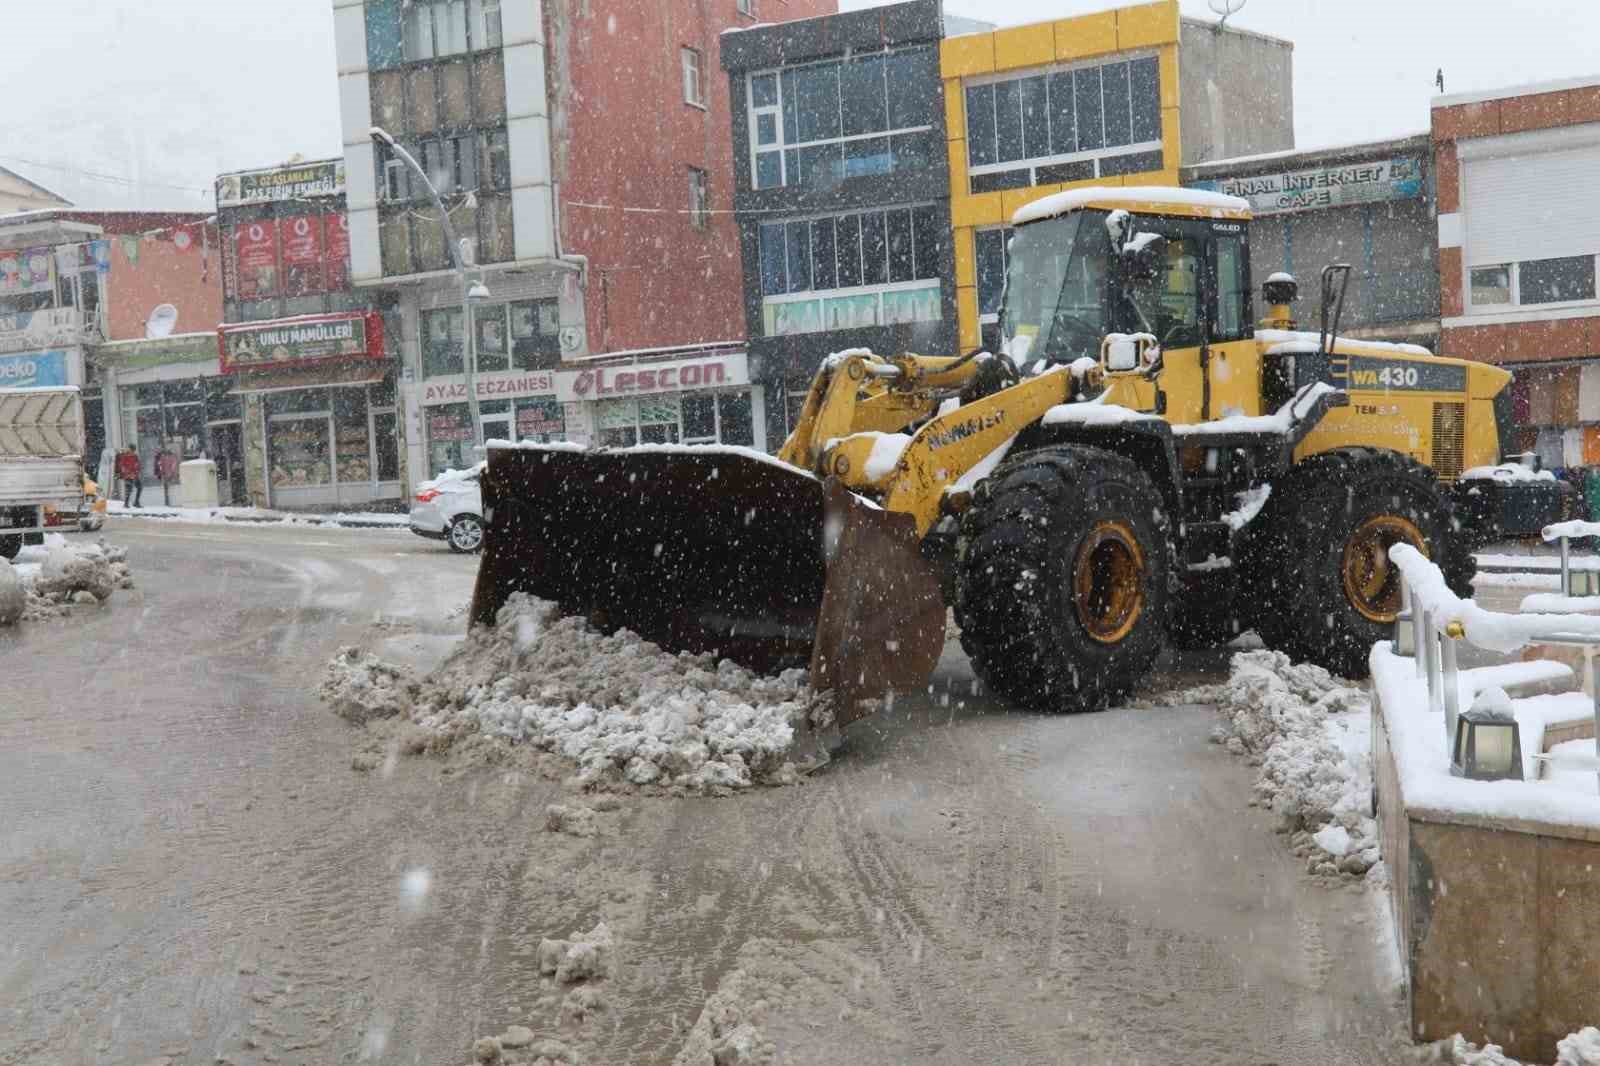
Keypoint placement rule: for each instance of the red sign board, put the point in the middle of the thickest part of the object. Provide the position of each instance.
(258, 259)
(302, 254)
(336, 238)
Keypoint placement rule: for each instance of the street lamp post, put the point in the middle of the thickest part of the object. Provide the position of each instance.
(471, 291)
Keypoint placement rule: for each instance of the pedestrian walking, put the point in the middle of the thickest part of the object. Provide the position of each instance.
(128, 471)
(167, 471)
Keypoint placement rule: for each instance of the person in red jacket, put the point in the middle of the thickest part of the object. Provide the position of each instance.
(128, 471)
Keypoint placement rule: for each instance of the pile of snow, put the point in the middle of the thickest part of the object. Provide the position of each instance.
(621, 709)
(580, 965)
(1310, 734)
(1575, 1049)
(49, 580)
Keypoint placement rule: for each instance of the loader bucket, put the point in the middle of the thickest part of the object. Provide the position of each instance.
(709, 549)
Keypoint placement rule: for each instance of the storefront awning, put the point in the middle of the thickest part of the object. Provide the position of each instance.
(311, 377)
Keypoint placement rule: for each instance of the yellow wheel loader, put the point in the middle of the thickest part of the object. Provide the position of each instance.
(1141, 463)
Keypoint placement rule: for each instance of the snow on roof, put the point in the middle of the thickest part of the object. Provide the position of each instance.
(1527, 89)
(1346, 148)
(1062, 202)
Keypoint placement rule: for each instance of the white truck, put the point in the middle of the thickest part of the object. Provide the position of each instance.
(41, 464)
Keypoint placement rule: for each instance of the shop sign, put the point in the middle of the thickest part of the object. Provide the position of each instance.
(1315, 187)
(291, 341)
(32, 370)
(39, 329)
(256, 248)
(491, 385)
(26, 269)
(642, 379)
(281, 183)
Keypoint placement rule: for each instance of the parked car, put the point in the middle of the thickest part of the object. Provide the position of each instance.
(450, 508)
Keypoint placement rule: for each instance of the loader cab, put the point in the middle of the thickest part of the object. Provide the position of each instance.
(1075, 277)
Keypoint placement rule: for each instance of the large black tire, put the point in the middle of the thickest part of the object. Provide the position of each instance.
(1040, 529)
(10, 545)
(1332, 517)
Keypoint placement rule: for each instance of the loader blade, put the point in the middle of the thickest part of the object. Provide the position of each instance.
(709, 549)
(881, 624)
(694, 550)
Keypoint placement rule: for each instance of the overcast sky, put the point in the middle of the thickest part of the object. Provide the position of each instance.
(159, 96)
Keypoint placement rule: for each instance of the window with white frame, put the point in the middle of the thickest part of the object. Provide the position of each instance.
(1513, 190)
(699, 199)
(1061, 124)
(693, 90)
(874, 268)
(819, 124)
(745, 7)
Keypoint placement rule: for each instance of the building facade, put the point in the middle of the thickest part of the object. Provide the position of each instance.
(841, 193)
(1519, 232)
(97, 299)
(1368, 205)
(582, 155)
(1093, 100)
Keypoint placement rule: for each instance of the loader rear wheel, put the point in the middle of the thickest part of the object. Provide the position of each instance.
(1062, 579)
(1318, 576)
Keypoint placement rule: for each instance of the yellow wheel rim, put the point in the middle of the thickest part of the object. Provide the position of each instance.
(1371, 581)
(1108, 582)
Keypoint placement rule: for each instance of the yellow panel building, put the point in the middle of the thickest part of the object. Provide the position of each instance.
(1120, 97)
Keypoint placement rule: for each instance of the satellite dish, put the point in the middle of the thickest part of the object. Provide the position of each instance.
(162, 321)
(1225, 8)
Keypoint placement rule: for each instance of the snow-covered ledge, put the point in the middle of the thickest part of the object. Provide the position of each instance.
(1494, 886)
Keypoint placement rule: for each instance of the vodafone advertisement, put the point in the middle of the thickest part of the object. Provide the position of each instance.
(644, 379)
(296, 255)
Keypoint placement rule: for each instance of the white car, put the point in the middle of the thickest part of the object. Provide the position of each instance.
(450, 508)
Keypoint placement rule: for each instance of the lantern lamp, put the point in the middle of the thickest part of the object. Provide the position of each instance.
(1487, 746)
(1583, 582)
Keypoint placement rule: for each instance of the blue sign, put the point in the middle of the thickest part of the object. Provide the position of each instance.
(33, 370)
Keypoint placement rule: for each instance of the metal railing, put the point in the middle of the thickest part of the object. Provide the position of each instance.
(1436, 619)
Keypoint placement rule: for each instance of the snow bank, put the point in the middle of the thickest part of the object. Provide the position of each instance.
(621, 709)
(57, 576)
(1310, 734)
(1575, 1049)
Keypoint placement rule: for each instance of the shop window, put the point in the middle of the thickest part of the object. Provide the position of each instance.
(699, 419)
(541, 419)
(494, 348)
(734, 420)
(536, 334)
(385, 429)
(449, 437)
(299, 452)
(222, 404)
(382, 394)
(442, 342)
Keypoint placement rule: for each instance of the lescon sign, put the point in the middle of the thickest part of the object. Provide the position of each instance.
(290, 342)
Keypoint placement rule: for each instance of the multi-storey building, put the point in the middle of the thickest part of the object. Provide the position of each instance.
(1519, 232)
(841, 192)
(1121, 97)
(581, 152)
(1369, 205)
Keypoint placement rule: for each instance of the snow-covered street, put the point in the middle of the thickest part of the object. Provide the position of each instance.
(193, 870)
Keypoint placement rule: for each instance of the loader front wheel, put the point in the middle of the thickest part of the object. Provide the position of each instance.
(1318, 575)
(1062, 579)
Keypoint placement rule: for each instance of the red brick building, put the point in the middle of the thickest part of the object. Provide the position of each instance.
(1519, 236)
